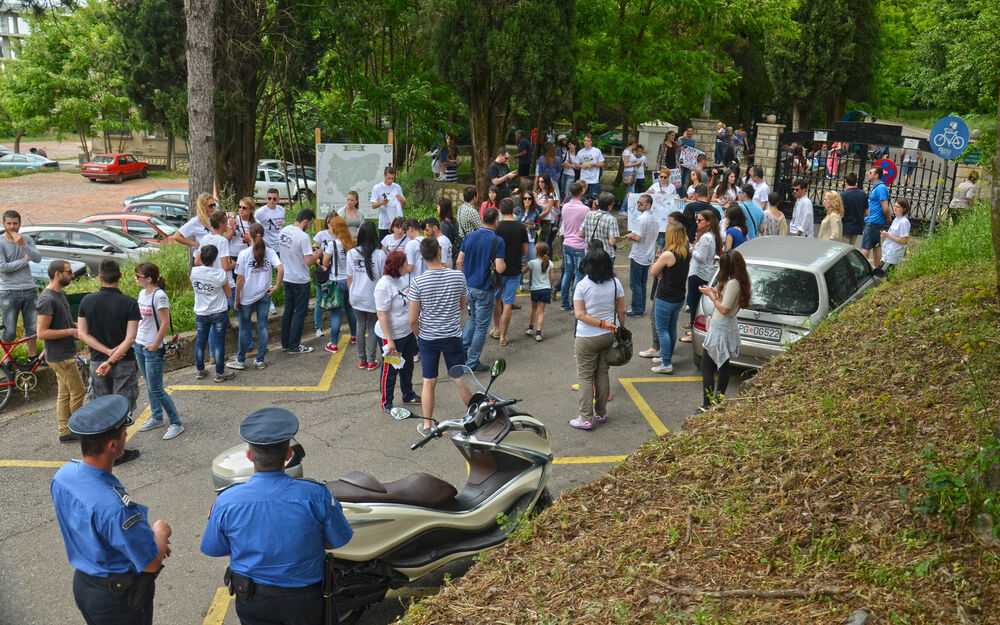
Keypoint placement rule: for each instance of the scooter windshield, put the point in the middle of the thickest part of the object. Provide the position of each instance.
(463, 375)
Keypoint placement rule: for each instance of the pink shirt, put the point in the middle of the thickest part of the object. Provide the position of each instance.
(573, 214)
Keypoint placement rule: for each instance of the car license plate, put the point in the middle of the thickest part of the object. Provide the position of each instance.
(760, 332)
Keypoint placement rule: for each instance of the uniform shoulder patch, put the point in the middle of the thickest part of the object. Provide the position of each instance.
(132, 520)
(320, 482)
(124, 496)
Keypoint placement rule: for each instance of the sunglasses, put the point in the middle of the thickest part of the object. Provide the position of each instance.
(272, 199)
(212, 205)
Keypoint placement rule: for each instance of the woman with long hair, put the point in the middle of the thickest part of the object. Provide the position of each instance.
(240, 224)
(722, 342)
(254, 288)
(736, 227)
(491, 201)
(599, 307)
(671, 268)
(150, 347)
(194, 229)
(350, 213)
(335, 242)
(673, 218)
(547, 197)
(707, 245)
(570, 170)
(392, 307)
(628, 170)
(548, 163)
(449, 227)
(365, 263)
(666, 156)
(832, 227)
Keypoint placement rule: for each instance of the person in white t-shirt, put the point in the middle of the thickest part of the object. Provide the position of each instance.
(392, 306)
(336, 241)
(415, 265)
(396, 239)
(643, 238)
(254, 288)
(154, 310)
(272, 216)
(387, 198)
(365, 262)
(297, 252)
(590, 160)
(761, 188)
(217, 237)
(198, 226)
(432, 228)
(239, 225)
(211, 312)
(894, 241)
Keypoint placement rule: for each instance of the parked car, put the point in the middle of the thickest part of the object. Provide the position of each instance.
(179, 196)
(5, 150)
(299, 188)
(87, 243)
(40, 271)
(149, 228)
(796, 283)
(173, 213)
(289, 168)
(115, 167)
(26, 162)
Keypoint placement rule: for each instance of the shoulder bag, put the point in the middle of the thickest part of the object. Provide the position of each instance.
(495, 277)
(620, 352)
(172, 350)
(322, 276)
(330, 295)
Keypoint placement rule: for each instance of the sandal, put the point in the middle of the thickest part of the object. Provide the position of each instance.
(494, 334)
(687, 326)
(686, 339)
(650, 353)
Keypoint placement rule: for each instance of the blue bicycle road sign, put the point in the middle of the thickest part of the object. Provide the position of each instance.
(949, 137)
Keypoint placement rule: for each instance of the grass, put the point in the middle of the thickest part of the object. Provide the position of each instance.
(17, 173)
(818, 475)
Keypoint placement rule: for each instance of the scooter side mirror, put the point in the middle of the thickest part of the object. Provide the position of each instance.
(400, 414)
(499, 366)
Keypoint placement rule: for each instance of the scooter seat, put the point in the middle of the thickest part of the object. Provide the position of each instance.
(416, 489)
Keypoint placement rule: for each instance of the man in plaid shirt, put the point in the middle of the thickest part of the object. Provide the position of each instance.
(468, 216)
(601, 225)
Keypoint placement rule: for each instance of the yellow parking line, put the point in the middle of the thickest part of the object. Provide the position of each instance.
(220, 605)
(588, 459)
(142, 418)
(640, 403)
(38, 464)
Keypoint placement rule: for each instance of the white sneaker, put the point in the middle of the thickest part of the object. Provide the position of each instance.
(236, 364)
(173, 431)
(319, 333)
(657, 360)
(151, 424)
(662, 369)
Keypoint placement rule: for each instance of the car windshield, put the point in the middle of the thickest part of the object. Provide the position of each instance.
(121, 239)
(782, 291)
(103, 160)
(164, 227)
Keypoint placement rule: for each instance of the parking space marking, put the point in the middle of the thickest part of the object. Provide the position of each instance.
(654, 422)
(38, 464)
(588, 459)
(220, 605)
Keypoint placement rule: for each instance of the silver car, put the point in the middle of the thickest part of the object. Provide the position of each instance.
(796, 283)
(87, 243)
(177, 195)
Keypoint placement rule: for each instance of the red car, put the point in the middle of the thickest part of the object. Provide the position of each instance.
(147, 227)
(115, 167)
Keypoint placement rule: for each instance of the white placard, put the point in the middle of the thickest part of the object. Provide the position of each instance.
(819, 135)
(663, 205)
(689, 157)
(910, 143)
(343, 167)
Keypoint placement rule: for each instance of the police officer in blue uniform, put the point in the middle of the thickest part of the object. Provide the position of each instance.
(109, 541)
(275, 530)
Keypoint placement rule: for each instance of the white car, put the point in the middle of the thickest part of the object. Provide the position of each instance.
(164, 195)
(289, 188)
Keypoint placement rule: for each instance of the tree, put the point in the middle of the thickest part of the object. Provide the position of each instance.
(200, 19)
(497, 54)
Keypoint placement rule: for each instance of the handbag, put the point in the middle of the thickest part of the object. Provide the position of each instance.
(628, 179)
(322, 276)
(172, 349)
(495, 277)
(330, 296)
(620, 352)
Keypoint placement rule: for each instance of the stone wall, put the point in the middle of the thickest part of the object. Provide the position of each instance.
(704, 135)
(766, 150)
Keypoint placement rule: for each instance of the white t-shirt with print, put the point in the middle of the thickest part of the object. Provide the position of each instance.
(293, 246)
(256, 280)
(209, 296)
(147, 324)
(391, 210)
(272, 220)
(391, 298)
(391, 244)
(599, 301)
(445, 244)
(593, 156)
(414, 258)
(193, 230)
(362, 292)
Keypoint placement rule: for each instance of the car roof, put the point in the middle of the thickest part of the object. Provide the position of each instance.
(75, 226)
(158, 202)
(114, 154)
(129, 215)
(793, 251)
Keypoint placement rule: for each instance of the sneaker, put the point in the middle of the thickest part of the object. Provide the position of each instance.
(529, 331)
(259, 364)
(479, 367)
(236, 364)
(657, 361)
(151, 424)
(423, 430)
(330, 347)
(362, 365)
(582, 424)
(301, 349)
(415, 400)
(372, 366)
(319, 333)
(538, 337)
(200, 375)
(633, 313)
(700, 410)
(662, 369)
(650, 353)
(173, 431)
(354, 340)
(600, 419)
(284, 349)
(566, 308)
(224, 377)
(128, 456)
(69, 438)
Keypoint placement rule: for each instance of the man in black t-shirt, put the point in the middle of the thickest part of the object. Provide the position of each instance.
(692, 209)
(500, 173)
(57, 329)
(515, 240)
(855, 209)
(108, 323)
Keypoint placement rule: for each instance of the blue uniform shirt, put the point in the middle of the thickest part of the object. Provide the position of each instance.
(275, 529)
(104, 530)
(875, 215)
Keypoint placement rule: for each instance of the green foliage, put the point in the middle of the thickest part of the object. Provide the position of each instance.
(963, 244)
(961, 493)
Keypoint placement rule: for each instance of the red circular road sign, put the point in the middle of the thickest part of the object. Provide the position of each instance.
(888, 170)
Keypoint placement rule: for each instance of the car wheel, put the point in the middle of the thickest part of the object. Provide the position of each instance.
(92, 179)
(143, 173)
(119, 179)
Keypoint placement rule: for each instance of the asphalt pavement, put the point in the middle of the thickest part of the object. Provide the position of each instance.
(342, 430)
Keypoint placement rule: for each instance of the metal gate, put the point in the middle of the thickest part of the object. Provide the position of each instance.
(927, 184)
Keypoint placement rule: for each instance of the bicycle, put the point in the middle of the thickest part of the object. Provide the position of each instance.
(22, 376)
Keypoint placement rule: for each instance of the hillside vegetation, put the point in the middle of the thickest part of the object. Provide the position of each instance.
(846, 476)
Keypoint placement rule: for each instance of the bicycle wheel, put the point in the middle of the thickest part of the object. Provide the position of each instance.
(6, 387)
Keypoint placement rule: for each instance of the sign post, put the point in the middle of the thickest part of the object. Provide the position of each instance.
(949, 137)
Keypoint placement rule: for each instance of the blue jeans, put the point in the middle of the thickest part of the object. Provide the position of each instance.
(214, 324)
(151, 368)
(246, 312)
(481, 314)
(211, 340)
(336, 314)
(296, 305)
(14, 302)
(571, 261)
(565, 182)
(637, 276)
(666, 327)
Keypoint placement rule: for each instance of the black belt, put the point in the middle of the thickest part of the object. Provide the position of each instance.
(245, 587)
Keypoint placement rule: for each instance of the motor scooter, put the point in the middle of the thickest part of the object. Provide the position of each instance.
(410, 527)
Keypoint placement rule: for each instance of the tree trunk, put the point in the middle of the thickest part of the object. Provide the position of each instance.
(17, 140)
(83, 139)
(200, 18)
(795, 116)
(995, 212)
(170, 151)
(489, 123)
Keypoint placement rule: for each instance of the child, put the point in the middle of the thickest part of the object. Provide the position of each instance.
(894, 241)
(541, 276)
